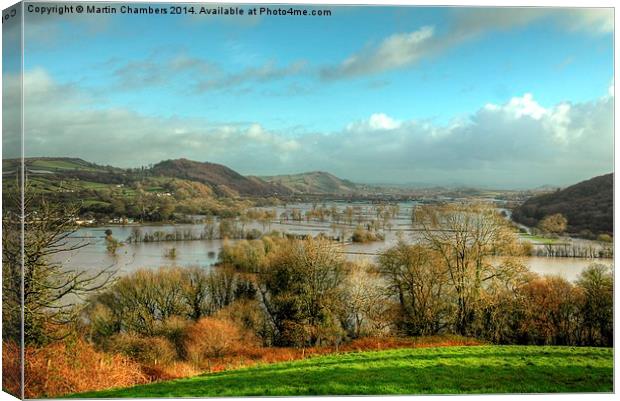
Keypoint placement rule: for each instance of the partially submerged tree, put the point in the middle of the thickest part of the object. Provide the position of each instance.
(111, 243)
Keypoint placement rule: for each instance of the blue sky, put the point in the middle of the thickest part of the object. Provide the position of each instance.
(373, 94)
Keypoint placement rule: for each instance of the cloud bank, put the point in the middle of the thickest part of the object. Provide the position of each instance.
(520, 143)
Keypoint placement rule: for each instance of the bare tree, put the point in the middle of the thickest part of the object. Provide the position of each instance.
(597, 309)
(51, 291)
(465, 236)
(300, 291)
(367, 306)
(416, 277)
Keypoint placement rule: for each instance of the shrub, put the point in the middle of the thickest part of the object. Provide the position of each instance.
(174, 330)
(249, 317)
(212, 338)
(11, 368)
(170, 253)
(143, 301)
(253, 234)
(147, 350)
(363, 236)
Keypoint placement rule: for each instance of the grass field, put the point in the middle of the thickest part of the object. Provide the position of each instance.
(537, 239)
(60, 164)
(442, 370)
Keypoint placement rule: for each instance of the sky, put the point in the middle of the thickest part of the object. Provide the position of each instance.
(493, 97)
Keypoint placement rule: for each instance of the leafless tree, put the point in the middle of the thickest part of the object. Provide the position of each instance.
(416, 277)
(52, 293)
(465, 237)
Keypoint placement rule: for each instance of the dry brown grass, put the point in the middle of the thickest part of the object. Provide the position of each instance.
(251, 354)
(11, 373)
(170, 371)
(212, 345)
(64, 368)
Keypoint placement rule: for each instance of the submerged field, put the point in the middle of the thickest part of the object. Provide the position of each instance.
(442, 370)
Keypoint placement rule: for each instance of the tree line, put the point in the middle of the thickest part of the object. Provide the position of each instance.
(302, 293)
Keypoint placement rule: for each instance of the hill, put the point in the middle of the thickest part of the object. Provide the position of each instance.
(588, 206)
(182, 187)
(54, 163)
(222, 179)
(442, 370)
(52, 171)
(315, 182)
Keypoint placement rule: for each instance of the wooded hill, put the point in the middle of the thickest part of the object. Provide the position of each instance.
(222, 179)
(588, 206)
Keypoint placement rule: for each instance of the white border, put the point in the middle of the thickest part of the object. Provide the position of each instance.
(540, 3)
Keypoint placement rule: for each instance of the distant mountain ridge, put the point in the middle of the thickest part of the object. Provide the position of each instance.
(587, 205)
(314, 182)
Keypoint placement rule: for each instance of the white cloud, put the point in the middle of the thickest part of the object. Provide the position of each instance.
(559, 120)
(267, 72)
(593, 20)
(196, 74)
(405, 49)
(394, 52)
(518, 143)
(376, 122)
(59, 122)
(521, 106)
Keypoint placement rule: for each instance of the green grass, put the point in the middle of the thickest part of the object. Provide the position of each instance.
(444, 370)
(97, 186)
(60, 164)
(537, 239)
(155, 189)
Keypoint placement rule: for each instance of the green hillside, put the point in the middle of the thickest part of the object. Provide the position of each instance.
(51, 164)
(442, 370)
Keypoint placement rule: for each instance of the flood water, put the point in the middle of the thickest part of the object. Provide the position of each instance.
(204, 253)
